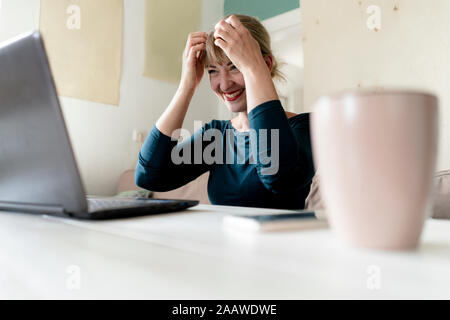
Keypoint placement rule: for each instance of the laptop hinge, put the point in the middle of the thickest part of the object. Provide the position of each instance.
(30, 207)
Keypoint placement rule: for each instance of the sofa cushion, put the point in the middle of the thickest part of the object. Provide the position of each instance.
(314, 200)
(194, 190)
(441, 201)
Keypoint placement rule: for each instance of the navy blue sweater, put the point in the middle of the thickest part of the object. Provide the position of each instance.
(239, 176)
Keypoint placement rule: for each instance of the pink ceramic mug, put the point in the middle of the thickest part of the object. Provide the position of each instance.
(376, 156)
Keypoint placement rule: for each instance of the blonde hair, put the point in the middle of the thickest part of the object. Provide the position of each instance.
(257, 30)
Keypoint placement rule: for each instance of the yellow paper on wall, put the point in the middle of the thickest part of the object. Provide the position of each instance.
(168, 25)
(83, 39)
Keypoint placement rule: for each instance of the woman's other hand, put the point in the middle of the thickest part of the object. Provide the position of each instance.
(245, 53)
(192, 72)
(193, 60)
(238, 44)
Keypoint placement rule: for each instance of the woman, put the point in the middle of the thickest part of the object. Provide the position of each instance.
(240, 64)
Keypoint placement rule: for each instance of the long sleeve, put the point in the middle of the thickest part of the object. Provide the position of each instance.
(292, 167)
(156, 169)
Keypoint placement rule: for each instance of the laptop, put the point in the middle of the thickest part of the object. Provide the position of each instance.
(38, 171)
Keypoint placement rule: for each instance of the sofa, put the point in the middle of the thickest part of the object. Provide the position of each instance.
(197, 190)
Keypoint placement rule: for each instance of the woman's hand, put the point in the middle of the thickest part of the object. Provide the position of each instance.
(239, 45)
(193, 60)
(193, 68)
(245, 53)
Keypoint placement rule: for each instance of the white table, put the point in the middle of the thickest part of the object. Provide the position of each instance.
(190, 255)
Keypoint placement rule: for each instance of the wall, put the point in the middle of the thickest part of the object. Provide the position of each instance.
(286, 34)
(411, 50)
(101, 134)
(262, 9)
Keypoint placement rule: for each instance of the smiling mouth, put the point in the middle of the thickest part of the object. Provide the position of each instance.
(232, 96)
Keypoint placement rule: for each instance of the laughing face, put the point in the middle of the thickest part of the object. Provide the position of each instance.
(228, 83)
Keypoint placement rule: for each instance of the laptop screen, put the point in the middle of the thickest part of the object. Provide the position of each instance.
(37, 165)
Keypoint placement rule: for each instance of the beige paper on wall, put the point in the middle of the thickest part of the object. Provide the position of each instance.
(168, 24)
(84, 43)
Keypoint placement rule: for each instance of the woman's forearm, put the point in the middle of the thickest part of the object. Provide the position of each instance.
(259, 86)
(278, 150)
(173, 117)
